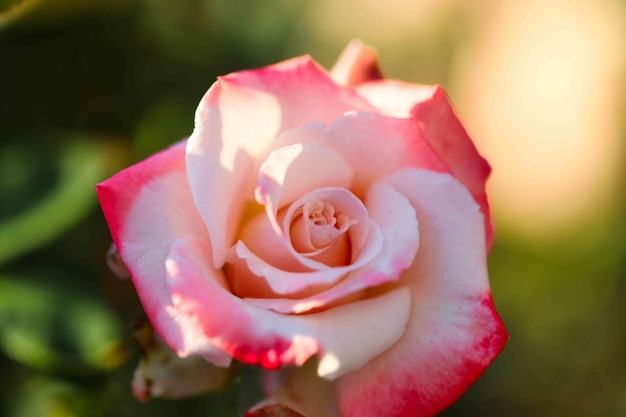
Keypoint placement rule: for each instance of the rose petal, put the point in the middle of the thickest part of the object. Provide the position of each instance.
(440, 128)
(396, 217)
(344, 202)
(295, 170)
(443, 130)
(282, 268)
(345, 337)
(357, 64)
(287, 282)
(375, 146)
(143, 226)
(237, 120)
(454, 331)
(396, 98)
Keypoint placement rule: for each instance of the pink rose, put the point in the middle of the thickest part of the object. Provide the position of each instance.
(336, 216)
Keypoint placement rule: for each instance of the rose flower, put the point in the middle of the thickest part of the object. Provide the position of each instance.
(338, 220)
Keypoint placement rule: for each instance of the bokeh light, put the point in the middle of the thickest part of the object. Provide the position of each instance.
(542, 90)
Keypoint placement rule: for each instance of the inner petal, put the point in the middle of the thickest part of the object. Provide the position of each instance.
(397, 219)
(292, 171)
(317, 226)
(327, 219)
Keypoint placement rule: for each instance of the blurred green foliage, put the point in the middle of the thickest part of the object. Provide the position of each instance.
(89, 87)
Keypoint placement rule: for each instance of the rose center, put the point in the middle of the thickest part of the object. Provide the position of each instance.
(316, 226)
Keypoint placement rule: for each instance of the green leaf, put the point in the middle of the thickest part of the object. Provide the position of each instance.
(83, 164)
(42, 396)
(51, 327)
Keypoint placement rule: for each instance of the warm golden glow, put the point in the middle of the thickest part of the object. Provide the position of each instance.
(538, 91)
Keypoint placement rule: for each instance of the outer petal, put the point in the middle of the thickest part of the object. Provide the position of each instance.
(441, 128)
(357, 64)
(373, 145)
(345, 337)
(454, 331)
(393, 212)
(296, 170)
(237, 120)
(148, 206)
(396, 98)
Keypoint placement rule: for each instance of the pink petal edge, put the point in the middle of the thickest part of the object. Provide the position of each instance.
(454, 332)
(357, 64)
(441, 128)
(344, 337)
(143, 226)
(236, 123)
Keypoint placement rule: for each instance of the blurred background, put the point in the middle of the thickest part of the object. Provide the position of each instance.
(88, 87)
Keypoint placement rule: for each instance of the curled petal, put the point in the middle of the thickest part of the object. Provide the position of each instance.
(271, 256)
(454, 332)
(237, 120)
(396, 217)
(342, 202)
(259, 240)
(441, 128)
(357, 64)
(393, 212)
(375, 146)
(372, 145)
(345, 337)
(143, 226)
(396, 98)
(295, 170)
(290, 282)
